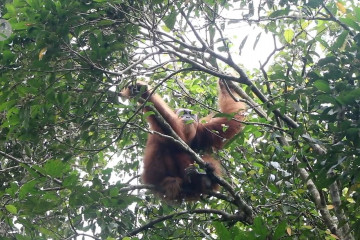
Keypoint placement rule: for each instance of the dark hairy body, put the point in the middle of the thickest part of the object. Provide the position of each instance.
(169, 167)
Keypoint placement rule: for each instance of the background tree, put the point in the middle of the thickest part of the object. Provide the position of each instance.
(71, 149)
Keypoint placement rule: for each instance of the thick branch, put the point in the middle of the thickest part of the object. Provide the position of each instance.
(339, 212)
(225, 217)
(318, 199)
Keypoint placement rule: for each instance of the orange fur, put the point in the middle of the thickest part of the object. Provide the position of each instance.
(166, 165)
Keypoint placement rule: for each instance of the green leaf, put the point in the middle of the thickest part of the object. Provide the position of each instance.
(55, 168)
(8, 56)
(273, 188)
(165, 28)
(230, 141)
(35, 82)
(257, 40)
(46, 232)
(279, 13)
(225, 115)
(288, 35)
(170, 20)
(7, 105)
(148, 113)
(349, 97)
(322, 85)
(105, 23)
(11, 208)
(280, 230)
(12, 190)
(19, 26)
(70, 181)
(260, 228)
(90, 165)
(211, 2)
(340, 41)
(242, 44)
(327, 60)
(222, 231)
(114, 192)
(314, 3)
(353, 133)
(222, 49)
(27, 188)
(351, 23)
(324, 182)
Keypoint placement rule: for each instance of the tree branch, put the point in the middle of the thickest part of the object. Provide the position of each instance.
(225, 217)
(28, 164)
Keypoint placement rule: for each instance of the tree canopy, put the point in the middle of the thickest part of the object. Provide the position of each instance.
(71, 148)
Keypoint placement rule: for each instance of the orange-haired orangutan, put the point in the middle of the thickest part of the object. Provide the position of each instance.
(167, 165)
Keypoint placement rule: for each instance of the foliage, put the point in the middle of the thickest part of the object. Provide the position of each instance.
(70, 148)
